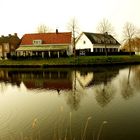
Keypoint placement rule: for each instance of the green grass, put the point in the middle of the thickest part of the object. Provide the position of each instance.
(72, 61)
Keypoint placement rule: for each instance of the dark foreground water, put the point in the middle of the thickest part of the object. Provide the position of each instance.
(100, 103)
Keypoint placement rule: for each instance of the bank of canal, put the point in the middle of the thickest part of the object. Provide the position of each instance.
(70, 61)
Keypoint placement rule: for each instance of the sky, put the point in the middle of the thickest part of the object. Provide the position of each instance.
(24, 16)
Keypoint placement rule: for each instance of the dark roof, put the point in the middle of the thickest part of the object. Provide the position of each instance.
(98, 38)
(12, 39)
(47, 38)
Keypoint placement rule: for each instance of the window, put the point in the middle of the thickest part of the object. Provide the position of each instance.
(37, 42)
(94, 49)
(82, 52)
(84, 42)
(108, 41)
(98, 41)
(6, 47)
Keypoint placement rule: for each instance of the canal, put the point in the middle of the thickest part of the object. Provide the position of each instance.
(99, 103)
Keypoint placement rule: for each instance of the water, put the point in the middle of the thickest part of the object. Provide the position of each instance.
(100, 103)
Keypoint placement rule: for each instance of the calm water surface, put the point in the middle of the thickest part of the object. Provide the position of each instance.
(100, 103)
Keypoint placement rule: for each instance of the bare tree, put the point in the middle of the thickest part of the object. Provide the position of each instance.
(74, 28)
(105, 26)
(129, 33)
(42, 28)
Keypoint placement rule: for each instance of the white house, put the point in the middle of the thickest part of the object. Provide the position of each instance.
(96, 42)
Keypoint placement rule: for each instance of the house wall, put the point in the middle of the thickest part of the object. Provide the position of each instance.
(84, 43)
(70, 50)
(61, 49)
(6, 49)
(0, 51)
(12, 48)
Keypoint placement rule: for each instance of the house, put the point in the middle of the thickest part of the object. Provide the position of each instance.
(55, 44)
(96, 42)
(56, 79)
(83, 79)
(8, 45)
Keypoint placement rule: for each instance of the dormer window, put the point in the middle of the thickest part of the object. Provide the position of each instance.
(37, 42)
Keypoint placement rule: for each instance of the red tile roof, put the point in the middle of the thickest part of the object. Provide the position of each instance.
(47, 38)
(49, 84)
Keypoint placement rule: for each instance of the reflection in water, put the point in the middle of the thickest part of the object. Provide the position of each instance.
(74, 96)
(75, 82)
(84, 78)
(135, 80)
(95, 92)
(127, 89)
(54, 79)
(73, 99)
(104, 94)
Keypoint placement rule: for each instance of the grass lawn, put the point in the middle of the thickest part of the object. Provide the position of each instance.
(72, 61)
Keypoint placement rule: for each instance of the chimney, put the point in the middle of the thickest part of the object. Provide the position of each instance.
(106, 33)
(9, 35)
(15, 34)
(56, 31)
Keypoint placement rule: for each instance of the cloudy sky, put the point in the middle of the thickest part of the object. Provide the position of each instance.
(23, 16)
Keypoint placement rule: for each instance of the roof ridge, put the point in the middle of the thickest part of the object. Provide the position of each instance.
(99, 38)
(95, 33)
(47, 33)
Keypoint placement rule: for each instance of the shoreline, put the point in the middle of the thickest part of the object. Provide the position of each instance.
(82, 61)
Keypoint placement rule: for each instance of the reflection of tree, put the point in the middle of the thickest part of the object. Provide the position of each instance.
(127, 90)
(74, 96)
(104, 94)
(73, 99)
(136, 77)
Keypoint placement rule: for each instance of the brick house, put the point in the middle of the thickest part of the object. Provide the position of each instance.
(8, 45)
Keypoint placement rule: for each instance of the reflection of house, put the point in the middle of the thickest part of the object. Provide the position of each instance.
(50, 80)
(58, 79)
(95, 42)
(8, 44)
(6, 77)
(94, 76)
(45, 44)
(84, 78)
(104, 75)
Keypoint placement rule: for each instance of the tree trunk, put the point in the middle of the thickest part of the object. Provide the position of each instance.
(130, 47)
